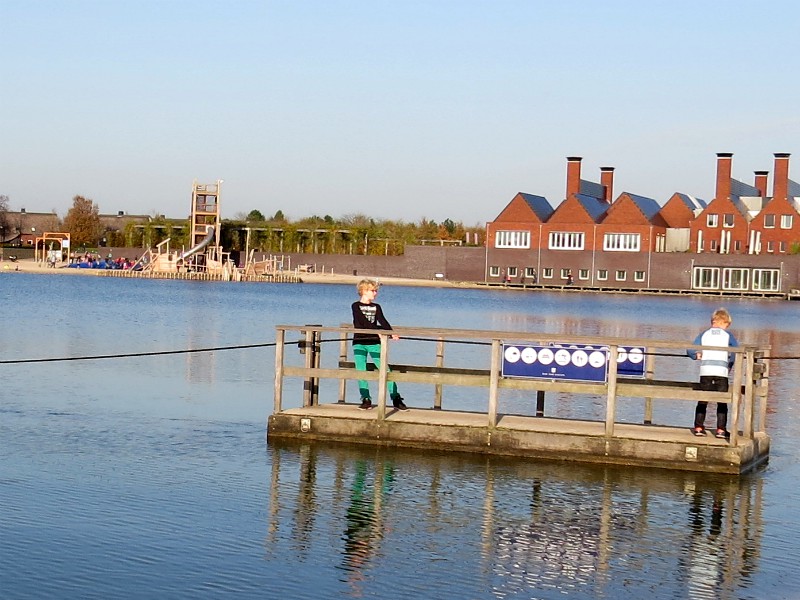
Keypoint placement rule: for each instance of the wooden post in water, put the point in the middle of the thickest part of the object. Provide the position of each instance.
(280, 337)
(611, 398)
(437, 389)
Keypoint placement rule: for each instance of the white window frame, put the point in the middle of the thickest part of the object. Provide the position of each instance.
(602, 274)
(770, 246)
(728, 222)
(530, 272)
(583, 274)
(622, 242)
(712, 220)
(621, 275)
(782, 247)
(566, 240)
(512, 239)
(639, 276)
(786, 221)
(547, 273)
(512, 271)
(769, 221)
(494, 271)
(767, 280)
(705, 278)
(734, 278)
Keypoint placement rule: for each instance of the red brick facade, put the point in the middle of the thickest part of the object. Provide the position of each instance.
(590, 241)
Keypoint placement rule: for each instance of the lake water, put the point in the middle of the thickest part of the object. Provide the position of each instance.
(151, 477)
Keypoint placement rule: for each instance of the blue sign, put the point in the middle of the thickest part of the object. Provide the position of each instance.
(569, 362)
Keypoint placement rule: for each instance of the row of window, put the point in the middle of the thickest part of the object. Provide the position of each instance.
(612, 242)
(714, 246)
(703, 278)
(712, 220)
(570, 240)
(736, 279)
(529, 275)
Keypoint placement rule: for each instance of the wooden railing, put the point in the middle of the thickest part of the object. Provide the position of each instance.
(747, 401)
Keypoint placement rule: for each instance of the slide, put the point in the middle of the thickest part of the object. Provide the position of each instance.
(200, 245)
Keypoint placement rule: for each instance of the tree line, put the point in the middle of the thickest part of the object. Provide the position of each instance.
(351, 234)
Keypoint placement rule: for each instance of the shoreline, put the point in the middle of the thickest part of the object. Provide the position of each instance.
(30, 265)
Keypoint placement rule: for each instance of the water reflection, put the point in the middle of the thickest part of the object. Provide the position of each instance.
(524, 526)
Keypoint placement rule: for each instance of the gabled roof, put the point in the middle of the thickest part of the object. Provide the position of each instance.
(739, 204)
(594, 206)
(590, 188)
(794, 188)
(692, 202)
(740, 188)
(648, 206)
(539, 205)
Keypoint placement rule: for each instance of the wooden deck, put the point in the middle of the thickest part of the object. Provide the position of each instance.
(608, 441)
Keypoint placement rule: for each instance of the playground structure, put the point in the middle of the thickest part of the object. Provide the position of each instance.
(205, 254)
(52, 247)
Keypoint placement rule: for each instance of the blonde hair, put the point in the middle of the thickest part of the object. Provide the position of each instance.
(722, 315)
(366, 284)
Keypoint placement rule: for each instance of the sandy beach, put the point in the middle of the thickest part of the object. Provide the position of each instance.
(30, 265)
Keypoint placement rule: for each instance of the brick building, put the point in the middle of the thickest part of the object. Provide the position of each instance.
(742, 240)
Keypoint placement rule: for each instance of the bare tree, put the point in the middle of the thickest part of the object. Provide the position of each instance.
(3, 217)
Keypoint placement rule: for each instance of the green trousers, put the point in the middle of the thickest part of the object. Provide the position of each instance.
(360, 353)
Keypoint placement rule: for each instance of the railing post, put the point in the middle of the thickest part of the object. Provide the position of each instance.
(342, 358)
(316, 349)
(308, 383)
(649, 369)
(383, 380)
(749, 404)
(437, 389)
(494, 382)
(611, 397)
(539, 403)
(280, 337)
(736, 394)
(763, 389)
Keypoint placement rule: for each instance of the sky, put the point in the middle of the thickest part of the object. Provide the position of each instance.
(394, 109)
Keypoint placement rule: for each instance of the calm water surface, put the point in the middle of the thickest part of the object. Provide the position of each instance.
(150, 477)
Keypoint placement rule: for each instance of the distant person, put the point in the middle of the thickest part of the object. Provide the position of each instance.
(367, 314)
(570, 280)
(715, 365)
(533, 277)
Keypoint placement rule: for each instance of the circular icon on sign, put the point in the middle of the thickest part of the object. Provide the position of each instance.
(622, 355)
(580, 358)
(635, 355)
(597, 359)
(512, 354)
(545, 356)
(528, 356)
(562, 357)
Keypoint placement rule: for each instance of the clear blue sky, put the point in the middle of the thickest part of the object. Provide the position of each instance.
(398, 109)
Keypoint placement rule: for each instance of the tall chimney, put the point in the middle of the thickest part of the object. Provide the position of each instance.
(761, 182)
(573, 175)
(724, 161)
(607, 181)
(780, 185)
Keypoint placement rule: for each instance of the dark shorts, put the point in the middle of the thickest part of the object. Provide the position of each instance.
(713, 384)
